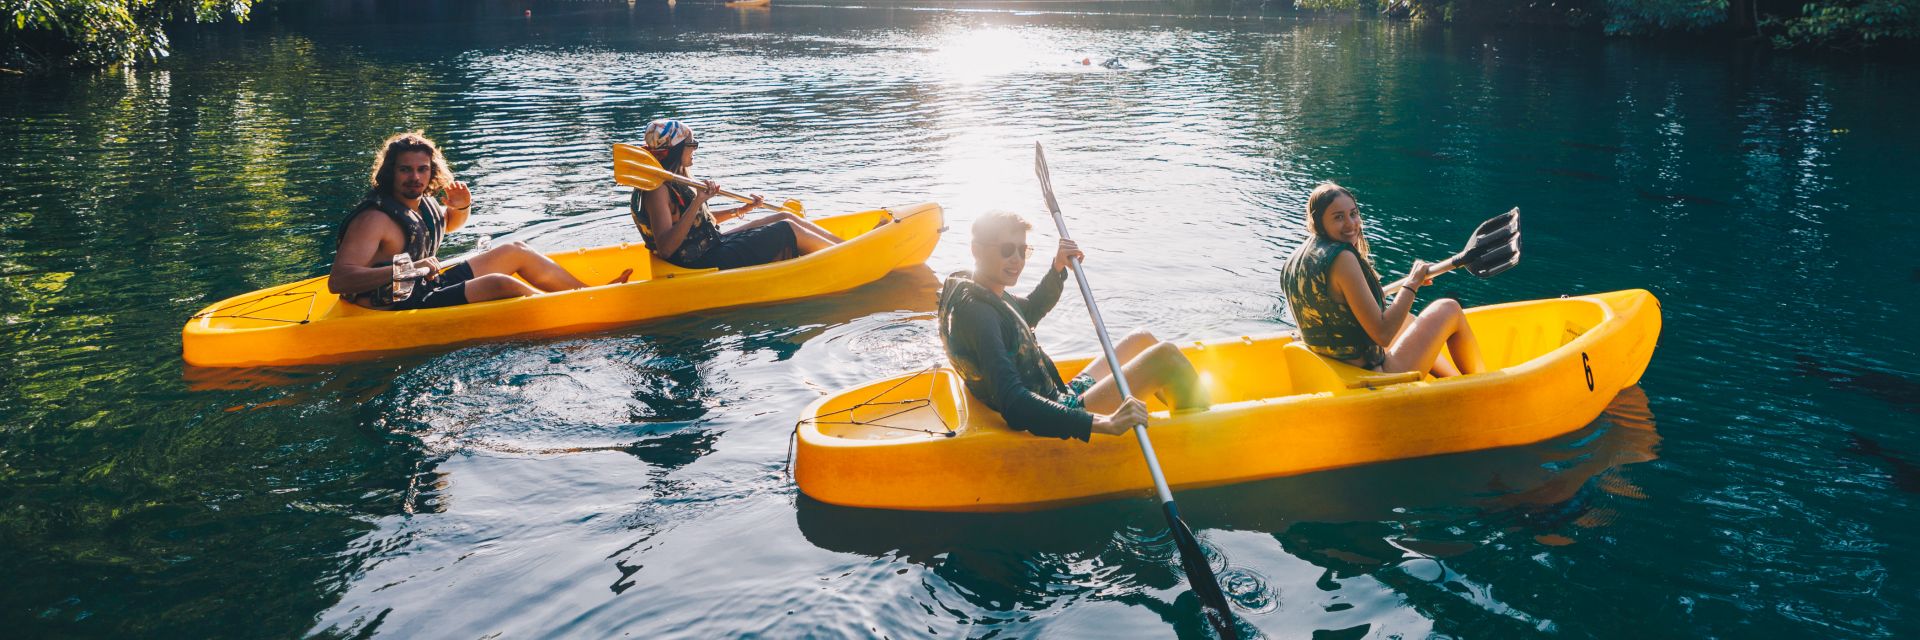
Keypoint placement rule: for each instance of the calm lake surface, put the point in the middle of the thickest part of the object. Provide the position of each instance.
(1761, 482)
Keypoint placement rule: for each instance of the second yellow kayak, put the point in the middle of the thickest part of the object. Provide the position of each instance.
(920, 441)
(300, 323)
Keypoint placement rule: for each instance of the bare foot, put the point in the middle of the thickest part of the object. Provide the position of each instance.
(622, 278)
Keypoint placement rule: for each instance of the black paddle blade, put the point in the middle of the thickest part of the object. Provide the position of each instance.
(1200, 575)
(1046, 180)
(1492, 233)
(1500, 259)
(1494, 247)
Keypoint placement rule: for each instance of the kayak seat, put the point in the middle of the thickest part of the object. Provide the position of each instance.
(1313, 373)
(662, 269)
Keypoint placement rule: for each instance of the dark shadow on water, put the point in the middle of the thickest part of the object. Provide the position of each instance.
(1906, 474)
(1372, 520)
(1901, 392)
(1430, 155)
(674, 450)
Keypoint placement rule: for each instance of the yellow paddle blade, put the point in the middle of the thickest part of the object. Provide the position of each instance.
(635, 167)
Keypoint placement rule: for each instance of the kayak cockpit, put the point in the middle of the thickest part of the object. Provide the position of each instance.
(928, 404)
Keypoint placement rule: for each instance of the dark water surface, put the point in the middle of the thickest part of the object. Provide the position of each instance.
(1760, 483)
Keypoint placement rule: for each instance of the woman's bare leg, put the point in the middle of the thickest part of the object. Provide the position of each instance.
(1442, 323)
(808, 242)
(799, 225)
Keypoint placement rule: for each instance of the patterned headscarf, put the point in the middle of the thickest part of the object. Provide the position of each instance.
(667, 133)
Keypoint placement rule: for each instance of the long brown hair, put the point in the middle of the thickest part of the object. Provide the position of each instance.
(1323, 197)
(408, 142)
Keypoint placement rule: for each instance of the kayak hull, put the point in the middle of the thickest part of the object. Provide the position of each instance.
(301, 323)
(921, 442)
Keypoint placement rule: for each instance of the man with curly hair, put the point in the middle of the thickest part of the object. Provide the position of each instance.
(400, 215)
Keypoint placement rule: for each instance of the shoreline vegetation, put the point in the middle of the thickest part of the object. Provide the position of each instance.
(39, 36)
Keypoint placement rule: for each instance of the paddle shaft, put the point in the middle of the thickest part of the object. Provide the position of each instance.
(1113, 363)
(1433, 271)
(1498, 232)
(1193, 561)
(1119, 377)
(698, 184)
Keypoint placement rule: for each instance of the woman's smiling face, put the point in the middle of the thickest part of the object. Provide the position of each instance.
(1341, 221)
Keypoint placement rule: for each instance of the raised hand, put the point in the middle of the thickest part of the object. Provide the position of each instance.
(1069, 250)
(459, 196)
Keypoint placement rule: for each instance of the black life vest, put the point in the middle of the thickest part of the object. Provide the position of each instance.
(704, 234)
(1037, 371)
(421, 232)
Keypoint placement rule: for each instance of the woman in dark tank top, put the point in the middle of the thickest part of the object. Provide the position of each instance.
(674, 221)
(1343, 314)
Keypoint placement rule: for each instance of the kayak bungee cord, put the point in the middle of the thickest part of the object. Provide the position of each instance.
(1194, 561)
(911, 406)
(284, 291)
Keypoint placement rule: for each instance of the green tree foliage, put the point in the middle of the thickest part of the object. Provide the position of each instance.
(1330, 5)
(1841, 24)
(1851, 24)
(98, 33)
(1644, 16)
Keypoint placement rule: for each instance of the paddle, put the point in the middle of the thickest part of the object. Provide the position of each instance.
(1493, 248)
(1199, 573)
(637, 168)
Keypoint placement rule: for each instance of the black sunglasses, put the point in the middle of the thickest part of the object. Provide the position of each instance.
(1007, 249)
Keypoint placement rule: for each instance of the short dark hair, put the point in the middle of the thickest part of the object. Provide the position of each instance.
(993, 220)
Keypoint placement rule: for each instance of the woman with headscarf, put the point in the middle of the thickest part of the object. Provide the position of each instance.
(677, 225)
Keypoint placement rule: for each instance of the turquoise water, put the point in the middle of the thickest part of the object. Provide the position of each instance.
(1759, 483)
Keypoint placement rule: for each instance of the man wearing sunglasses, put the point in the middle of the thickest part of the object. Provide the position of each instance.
(989, 338)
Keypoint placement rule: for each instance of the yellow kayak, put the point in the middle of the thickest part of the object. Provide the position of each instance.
(300, 323)
(919, 441)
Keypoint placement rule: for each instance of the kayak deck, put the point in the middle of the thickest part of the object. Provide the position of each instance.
(301, 323)
(920, 441)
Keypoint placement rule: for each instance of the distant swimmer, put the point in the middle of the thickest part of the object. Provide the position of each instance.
(1111, 63)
